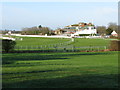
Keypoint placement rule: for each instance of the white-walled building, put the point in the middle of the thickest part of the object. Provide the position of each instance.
(81, 28)
(114, 34)
(89, 30)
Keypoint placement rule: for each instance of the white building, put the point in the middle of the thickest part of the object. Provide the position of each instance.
(82, 28)
(89, 30)
(114, 34)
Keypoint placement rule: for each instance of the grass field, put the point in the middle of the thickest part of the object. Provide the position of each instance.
(27, 41)
(36, 41)
(60, 70)
(78, 42)
(58, 44)
(90, 42)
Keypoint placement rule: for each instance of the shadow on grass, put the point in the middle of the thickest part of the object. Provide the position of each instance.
(53, 56)
(73, 81)
(10, 61)
(32, 72)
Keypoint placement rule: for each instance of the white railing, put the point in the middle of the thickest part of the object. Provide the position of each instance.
(61, 48)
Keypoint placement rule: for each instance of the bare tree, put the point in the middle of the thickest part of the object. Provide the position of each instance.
(101, 30)
(31, 31)
(113, 26)
(36, 31)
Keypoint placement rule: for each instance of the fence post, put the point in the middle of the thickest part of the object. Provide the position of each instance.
(41, 47)
(30, 47)
(72, 48)
(56, 48)
(18, 48)
(21, 47)
(26, 47)
(98, 48)
(89, 48)
(105, 47)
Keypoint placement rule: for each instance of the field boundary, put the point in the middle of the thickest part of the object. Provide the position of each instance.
(60, 49)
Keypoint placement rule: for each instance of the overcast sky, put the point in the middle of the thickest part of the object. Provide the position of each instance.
(17, 15)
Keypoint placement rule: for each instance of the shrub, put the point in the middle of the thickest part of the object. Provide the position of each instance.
(109, 31)
(115, 45)
(86, 34)
(8, 45)
(114, 37)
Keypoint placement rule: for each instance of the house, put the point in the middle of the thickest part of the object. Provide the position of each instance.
(114, 34)
(59, 31)
(81, 28)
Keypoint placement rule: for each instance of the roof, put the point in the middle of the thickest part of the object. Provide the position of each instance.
(75, 25)
(72, 25)
(113, 32)
(80, 24)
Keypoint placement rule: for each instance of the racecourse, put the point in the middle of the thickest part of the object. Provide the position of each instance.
(60, 69)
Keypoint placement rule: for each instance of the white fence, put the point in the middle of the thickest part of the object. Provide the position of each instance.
(60, 48)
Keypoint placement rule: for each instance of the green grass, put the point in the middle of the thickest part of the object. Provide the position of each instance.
(33, 41)
(60, 70)
(90, 42)
(37, 41)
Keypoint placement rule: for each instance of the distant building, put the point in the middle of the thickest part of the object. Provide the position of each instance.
(9, 33)
(81, 28)
(114, 34)
(59, 31)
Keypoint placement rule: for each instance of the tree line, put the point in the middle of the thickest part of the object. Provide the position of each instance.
(103, 30)
(37, 31)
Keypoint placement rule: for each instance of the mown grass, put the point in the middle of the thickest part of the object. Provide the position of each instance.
(60, 70)
(90, 42)
(37, 41)
(79, 42)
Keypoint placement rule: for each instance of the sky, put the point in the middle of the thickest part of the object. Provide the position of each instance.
(18, 15)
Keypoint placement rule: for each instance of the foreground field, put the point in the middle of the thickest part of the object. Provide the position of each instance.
(60, 70)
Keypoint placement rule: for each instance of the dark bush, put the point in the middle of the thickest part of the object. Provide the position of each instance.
(115, 45)
(8, 45)
(109, 31)
(114, 37)
(86, 34)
